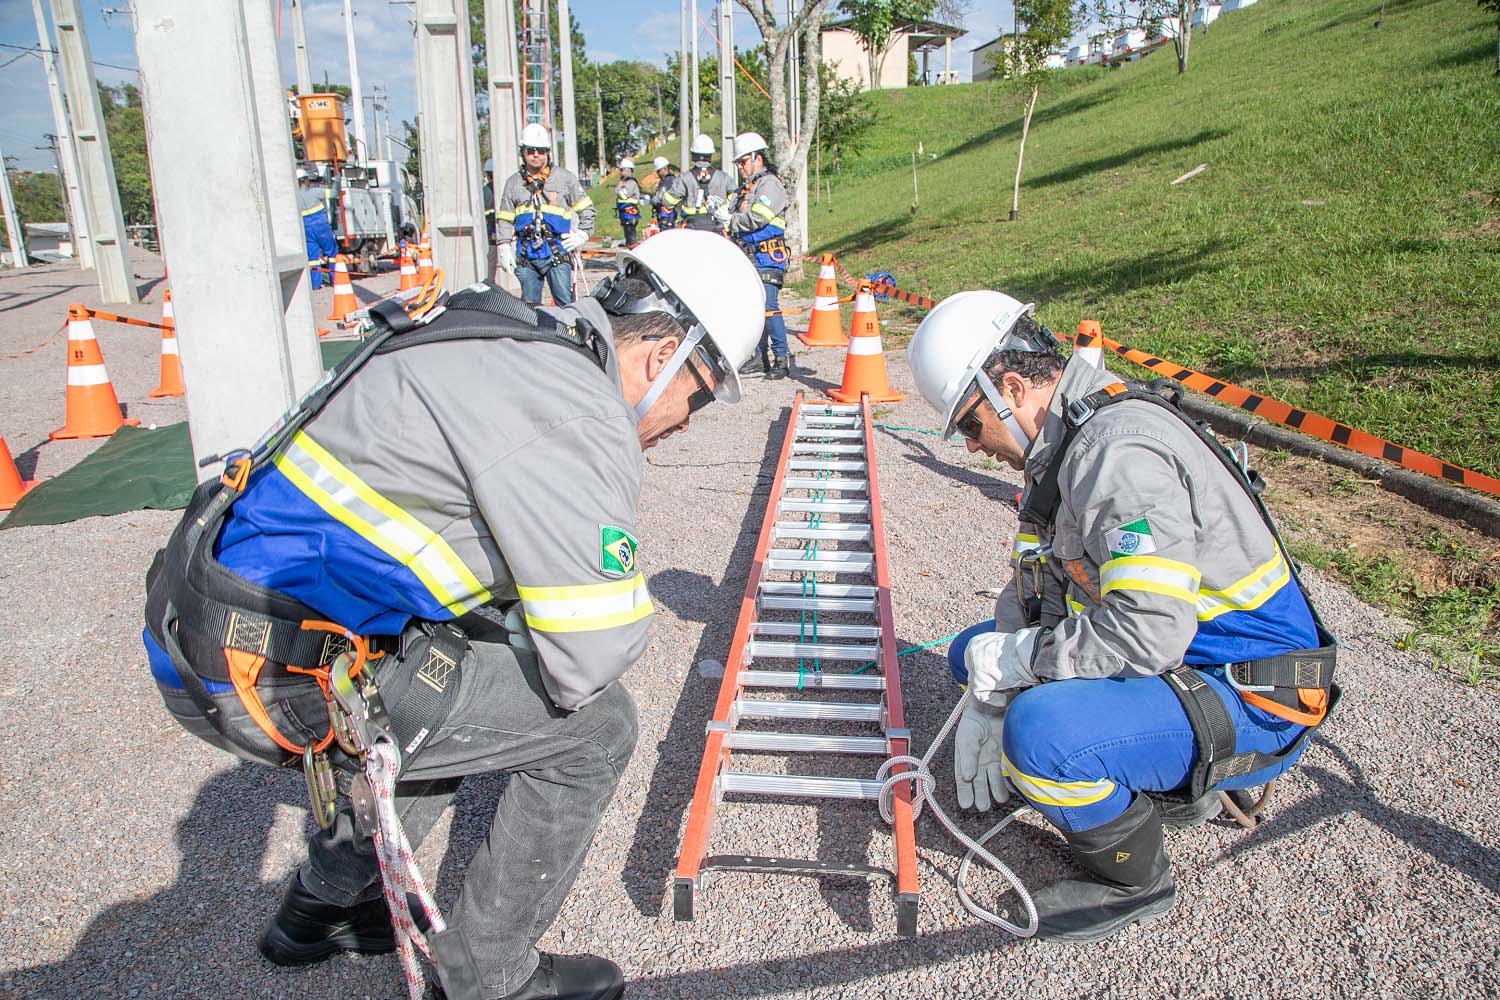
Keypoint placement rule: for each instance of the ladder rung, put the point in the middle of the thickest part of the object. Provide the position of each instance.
(820, 464)
(817, 650)
(834, 531)
(809, 679)
(833, 433)
(805, 743)
(838, 484)
(820, 409)
(830, 631)
(796, 564)
(787, 784)
(811, 421)
(824, 589)
(821, 448)
(757, 708)
(826, 506)
(854, 606)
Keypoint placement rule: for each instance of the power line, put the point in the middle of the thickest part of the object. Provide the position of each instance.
(37, 51)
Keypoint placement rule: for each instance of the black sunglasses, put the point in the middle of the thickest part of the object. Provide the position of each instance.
(703, 395)
(534, 149)
(969, 424)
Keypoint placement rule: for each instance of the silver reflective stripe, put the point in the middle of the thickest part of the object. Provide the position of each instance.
(1248, 592)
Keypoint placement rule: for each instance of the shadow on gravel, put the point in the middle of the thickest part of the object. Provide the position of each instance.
(34, 299)
(924, 455)
(1350, 792)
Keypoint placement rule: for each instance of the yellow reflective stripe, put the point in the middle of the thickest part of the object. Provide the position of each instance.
(1056, 793)
(1151, 574)
(1248, 592)
(556, 210)
(1026, 543)
(765, 213)
(586, 608)
(312, 211)
(669, 199)
(349, 500)
(582, 203)
(508, 216)
(1074, 608)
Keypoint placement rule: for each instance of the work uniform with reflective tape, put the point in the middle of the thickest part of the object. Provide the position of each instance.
(706, 188)
(1157, 558)
(757, 221)
(536, 211)
(628, 202)
(321, 245)
(667, 199)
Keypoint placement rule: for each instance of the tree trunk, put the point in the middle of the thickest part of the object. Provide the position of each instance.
(1015, 196)
(1184, 35)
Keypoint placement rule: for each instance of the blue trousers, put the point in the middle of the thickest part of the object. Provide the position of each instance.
(320, 244)
(775, 331)
(1078, 750)
(559, 278)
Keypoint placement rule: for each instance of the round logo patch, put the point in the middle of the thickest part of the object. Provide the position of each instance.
(1129, 542)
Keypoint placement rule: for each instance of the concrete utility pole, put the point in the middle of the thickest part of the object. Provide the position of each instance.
(684, 124)
(12, 220)
(66, 149)
(238, 264)
(565, 61)
(106, 224)
(299, 49)
(450, 141)
(693, 27)
(726, 85)
(356, 95)
(505, 104)
(599, 125)
(661, 117)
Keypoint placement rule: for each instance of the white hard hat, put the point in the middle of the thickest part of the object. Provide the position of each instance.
(302, 175)
(535, 136)
(488, 166)
(659, 162)
(627, 164)
(719, 286)
(953, 343)
(702, 146)
(748, 142)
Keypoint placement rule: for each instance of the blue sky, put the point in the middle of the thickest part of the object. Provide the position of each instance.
(644, 30)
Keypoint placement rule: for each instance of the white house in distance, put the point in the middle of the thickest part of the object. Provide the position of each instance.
(1205, 15)
(845, 54)
(984, 69)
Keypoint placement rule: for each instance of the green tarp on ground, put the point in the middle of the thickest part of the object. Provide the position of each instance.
(136, 469)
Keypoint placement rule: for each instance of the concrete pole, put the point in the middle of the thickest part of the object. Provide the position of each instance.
(450, 141)
(693, 28)
(726, 85)
(239, 285)
(106, 224)
(356, 95)
(599, 126)
(12, 220)
(67, 148)
(684, 122)
(505, 105)
(299, 49)
(565, 62)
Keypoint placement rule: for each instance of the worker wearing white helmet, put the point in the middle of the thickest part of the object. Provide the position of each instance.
(628, 200)
(756, 219)
(316, 232)
(542, 218)
(667, 199)
(470, 493)
(708, 188)
(1144, 557)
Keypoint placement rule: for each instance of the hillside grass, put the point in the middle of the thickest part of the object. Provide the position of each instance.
(1341, 251)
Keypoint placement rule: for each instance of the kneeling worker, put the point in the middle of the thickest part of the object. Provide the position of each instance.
(467, 499)
(1154, 644)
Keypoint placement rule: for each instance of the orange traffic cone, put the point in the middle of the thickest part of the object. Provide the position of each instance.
(12, 486)
(424, 262)
(92, 407)
(864, 365)
(344, 301)
(171, 366)
(1089, 343)
(823, 326)
(409, 277)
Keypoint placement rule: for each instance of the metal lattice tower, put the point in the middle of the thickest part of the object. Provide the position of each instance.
(536, 65)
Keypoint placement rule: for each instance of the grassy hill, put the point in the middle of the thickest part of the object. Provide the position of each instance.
(1341, 251)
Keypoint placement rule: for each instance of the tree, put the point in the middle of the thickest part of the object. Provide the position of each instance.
(874, 22)
(1493, 6)
(1024, 64)
(844, 121)
(805, 24)
(125, 121)
(953, 12)
(1156, 17)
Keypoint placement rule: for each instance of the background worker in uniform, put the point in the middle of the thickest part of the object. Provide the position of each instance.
(628, 200)
(1147, 583)
(514, 469)
(756, 220)
(544, 215)
(321, 246)
(666, 200)
(708, 188)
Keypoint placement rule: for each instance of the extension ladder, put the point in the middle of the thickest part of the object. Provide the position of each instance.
(822, 519)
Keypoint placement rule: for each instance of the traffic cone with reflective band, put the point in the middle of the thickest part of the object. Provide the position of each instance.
(92, 407)
(823, 327)
(424, 262)
(409, 277)
(864, 365)
(344, 301)
(170, 383)
(12, 486)
(1088, 344)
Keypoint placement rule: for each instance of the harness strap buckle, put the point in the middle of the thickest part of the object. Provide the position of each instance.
(1239, 677)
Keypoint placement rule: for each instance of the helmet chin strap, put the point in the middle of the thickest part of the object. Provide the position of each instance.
(1022, 439)
(664, 377)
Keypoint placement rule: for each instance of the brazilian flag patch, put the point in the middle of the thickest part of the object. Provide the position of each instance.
(616, 550)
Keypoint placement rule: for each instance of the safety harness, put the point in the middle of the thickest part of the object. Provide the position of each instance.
(1296, 686)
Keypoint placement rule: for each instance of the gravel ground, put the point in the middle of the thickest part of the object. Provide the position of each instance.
(137, 862)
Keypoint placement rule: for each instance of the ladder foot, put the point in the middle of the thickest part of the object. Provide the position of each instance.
(682, 898)
(906, 914)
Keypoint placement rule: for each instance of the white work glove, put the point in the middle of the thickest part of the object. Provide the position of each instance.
(505, 257)
(721, 216)
(977, 772)
(1000, 662)
(573, 239)
(518, 635)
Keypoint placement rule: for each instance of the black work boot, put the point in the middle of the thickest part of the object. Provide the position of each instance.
(572, 977)
(1128, 879)
(306, 929)
(779, 369)
(1179, 813)
(755, 364)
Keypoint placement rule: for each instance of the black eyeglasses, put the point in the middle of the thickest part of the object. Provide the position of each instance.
(969, 424)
